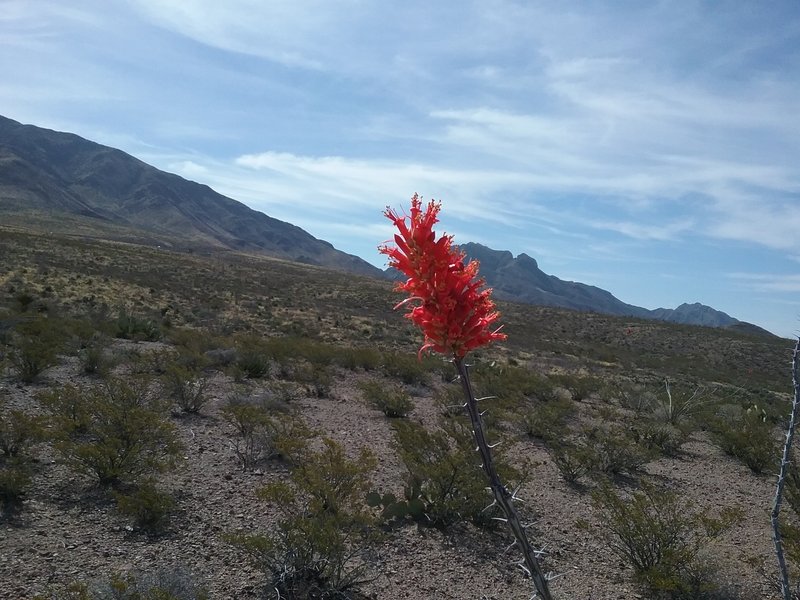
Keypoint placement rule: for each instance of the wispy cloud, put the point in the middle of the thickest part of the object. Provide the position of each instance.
(591, 137)
(770, 282)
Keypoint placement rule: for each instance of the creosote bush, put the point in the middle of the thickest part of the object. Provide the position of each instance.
(35, 347)
(148, 507)
(123, 432)
(161, 584)
(661, 537)
(547, 421)
(321, 546)
(18, 432)
(747, 436)
(391, 399)
(263, 433)
(188, 388)
(443, 474)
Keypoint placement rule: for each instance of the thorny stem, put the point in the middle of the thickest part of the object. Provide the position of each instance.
(502, 496)
(785, 458)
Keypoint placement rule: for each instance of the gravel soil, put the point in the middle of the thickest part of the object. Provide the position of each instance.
(68, 529)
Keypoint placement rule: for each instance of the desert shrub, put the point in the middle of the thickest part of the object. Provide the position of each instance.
(615, 451)
(263, 434)
(146, 506)
(158, 584)
(747, 436)
(580, 387)
(660, 537)
(679, 404)
(317, 379)
(187, 388)
(547, 421)
(450, 400)
(132, 327)
(512, 385)
(572, 460)
(15, 480)
(321, 544)
(443, 473)
(391, 399)
(69, 410)
(220, 357)
(635, 397)
(35, 347)
(281, 394)
(95, 359)
(127, 435)
(18, 431)
(368, 359)
(253, 362)
(664, 438)
(291, 348)
(408, 368)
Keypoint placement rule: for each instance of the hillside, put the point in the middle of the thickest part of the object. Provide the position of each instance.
(60, 181)
(520, 279)
(312, 353)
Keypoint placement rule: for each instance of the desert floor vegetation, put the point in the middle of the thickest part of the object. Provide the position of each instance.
(225, 425)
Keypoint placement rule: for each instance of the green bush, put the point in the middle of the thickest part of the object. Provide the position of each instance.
(660, 537)
(682, 404)
(747, 436)
(615, 451)
(547, 421)
(132, 327)
(35, 347)
(126, 434)
(317, 378)
(443, 473)
(15, 480)
(391, 399)
(263, 434)
(572, 460)
(408, 368)
(18, 431)
(368, 359)
(148, 507)
(580, 387)
(95, 359)
(320, 547)
(663, 438)
(68, 408)
(187, 388)
(159, 584)
(253, 362)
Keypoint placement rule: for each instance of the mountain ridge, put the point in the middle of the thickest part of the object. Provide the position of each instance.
(48, 173)
(64, 182)
(520, 279)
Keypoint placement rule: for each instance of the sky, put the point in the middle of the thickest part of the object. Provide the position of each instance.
(649, 148)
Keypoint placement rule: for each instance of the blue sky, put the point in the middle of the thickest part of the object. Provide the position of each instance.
(649, 148)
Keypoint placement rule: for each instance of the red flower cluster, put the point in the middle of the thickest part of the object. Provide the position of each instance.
(452, 310)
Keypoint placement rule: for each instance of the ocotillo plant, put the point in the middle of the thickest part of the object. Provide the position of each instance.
(785, 459)
(448, 301)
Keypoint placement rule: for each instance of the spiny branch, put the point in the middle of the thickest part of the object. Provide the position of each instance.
(785, 459)
(502, 497)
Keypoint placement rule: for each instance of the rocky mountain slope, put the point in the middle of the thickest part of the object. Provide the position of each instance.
(62, 181)
(520, 279)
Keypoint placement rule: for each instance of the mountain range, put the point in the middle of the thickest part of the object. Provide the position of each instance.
(65, 182)
(521, 280)
(62, 182)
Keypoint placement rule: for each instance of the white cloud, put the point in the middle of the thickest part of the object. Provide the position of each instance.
(639, 231)
(770, 282)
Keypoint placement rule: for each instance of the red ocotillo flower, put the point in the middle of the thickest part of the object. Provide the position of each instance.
(448, 301)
